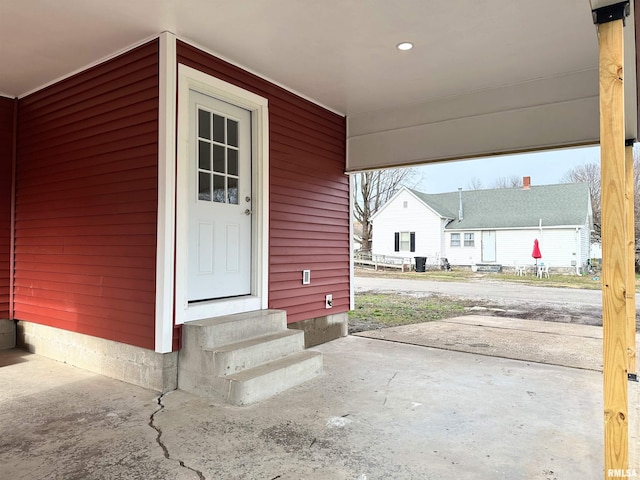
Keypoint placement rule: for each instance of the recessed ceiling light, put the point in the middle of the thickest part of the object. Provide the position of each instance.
(404, 46)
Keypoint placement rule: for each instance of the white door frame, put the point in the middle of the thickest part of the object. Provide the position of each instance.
(483, 237)
(191, 79)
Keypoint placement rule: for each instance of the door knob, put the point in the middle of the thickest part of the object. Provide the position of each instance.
(247, 212)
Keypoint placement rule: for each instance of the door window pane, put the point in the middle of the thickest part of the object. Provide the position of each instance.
(232, 161)
(232, 133)
(204, 155)
(204, 186)
(204, 124)
(218, 128)
(232, 186)
(218, 159)
(218, 189)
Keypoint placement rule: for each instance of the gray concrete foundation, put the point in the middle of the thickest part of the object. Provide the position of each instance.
(139, 366)
(7, 334)
(323, 329)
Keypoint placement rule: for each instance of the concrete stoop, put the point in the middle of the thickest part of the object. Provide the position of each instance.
(244, 358)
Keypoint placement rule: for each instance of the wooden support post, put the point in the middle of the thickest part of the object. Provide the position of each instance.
(612, 145)
(631, 260)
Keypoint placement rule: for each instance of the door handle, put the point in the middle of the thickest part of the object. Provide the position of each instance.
(247, 212)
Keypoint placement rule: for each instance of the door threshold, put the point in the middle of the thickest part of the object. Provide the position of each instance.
(217, 299)
(218, 307)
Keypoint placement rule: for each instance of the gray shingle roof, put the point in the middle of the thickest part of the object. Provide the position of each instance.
(562, 204)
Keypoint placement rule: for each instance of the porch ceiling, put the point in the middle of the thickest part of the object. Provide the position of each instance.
(342, 54)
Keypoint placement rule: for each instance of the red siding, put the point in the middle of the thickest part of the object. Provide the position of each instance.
(86, 201)
(6, 162)
(309, 204)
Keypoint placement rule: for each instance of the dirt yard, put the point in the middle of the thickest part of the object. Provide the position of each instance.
(390, 303)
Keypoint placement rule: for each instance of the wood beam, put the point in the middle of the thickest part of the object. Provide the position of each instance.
(612, 151)
(630, 260)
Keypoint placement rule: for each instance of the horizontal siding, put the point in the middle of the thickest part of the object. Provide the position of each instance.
(559, 246)
(309, 194)
(394, 217)
(86, 201)
(462, 255)
(6, 161)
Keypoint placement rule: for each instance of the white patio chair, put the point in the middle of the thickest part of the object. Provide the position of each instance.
(543, 270)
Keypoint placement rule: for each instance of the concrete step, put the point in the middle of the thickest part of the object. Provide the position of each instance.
(213, 332)
(236, 357)
(244, 358)
(272, 378)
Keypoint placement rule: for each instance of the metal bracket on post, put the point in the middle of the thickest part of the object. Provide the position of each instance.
(617, 11)
(630, 142)
(632, 377)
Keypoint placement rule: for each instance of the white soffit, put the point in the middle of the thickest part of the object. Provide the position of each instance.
(557, 111)
(342, 54)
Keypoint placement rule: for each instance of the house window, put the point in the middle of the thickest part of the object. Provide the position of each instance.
(405, 242)
(405, 204)
(468, 240)
(455, 239)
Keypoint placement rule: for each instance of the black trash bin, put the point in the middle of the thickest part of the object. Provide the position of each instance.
(421, 263)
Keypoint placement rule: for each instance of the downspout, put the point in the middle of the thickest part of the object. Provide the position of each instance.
(460, 216)
(12, 234)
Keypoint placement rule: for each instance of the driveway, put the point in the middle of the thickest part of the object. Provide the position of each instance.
(567, 305)
(505, 293)
(381, 411)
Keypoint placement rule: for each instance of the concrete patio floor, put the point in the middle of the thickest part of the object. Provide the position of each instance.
(381, 410)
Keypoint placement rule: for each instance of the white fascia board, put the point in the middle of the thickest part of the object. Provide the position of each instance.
(384, 207)
(533, 227)
(431, 209)
(541, 114)
(396, 195)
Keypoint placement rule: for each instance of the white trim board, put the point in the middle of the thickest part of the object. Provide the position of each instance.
(192, 79)
(165, 243)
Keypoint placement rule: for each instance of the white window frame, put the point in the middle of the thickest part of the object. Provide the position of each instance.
(407, 241)
(471, 241)
(457, 236)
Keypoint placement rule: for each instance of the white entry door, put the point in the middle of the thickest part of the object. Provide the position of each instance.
(489, 246)
(219, 256)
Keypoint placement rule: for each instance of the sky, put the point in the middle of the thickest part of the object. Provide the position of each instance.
(544, 168)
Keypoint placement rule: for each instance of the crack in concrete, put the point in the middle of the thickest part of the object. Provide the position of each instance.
(159, 441)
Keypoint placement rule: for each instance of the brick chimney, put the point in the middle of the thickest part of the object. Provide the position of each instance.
(526, 183)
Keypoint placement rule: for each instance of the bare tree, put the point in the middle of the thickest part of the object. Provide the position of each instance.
(513, 181)
(474, 184)
(371, 191)
(589, 173)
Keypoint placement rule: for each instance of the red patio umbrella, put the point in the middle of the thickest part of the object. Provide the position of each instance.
(536, 252)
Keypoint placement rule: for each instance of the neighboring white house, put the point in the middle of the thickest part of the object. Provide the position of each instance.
(495, 226)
